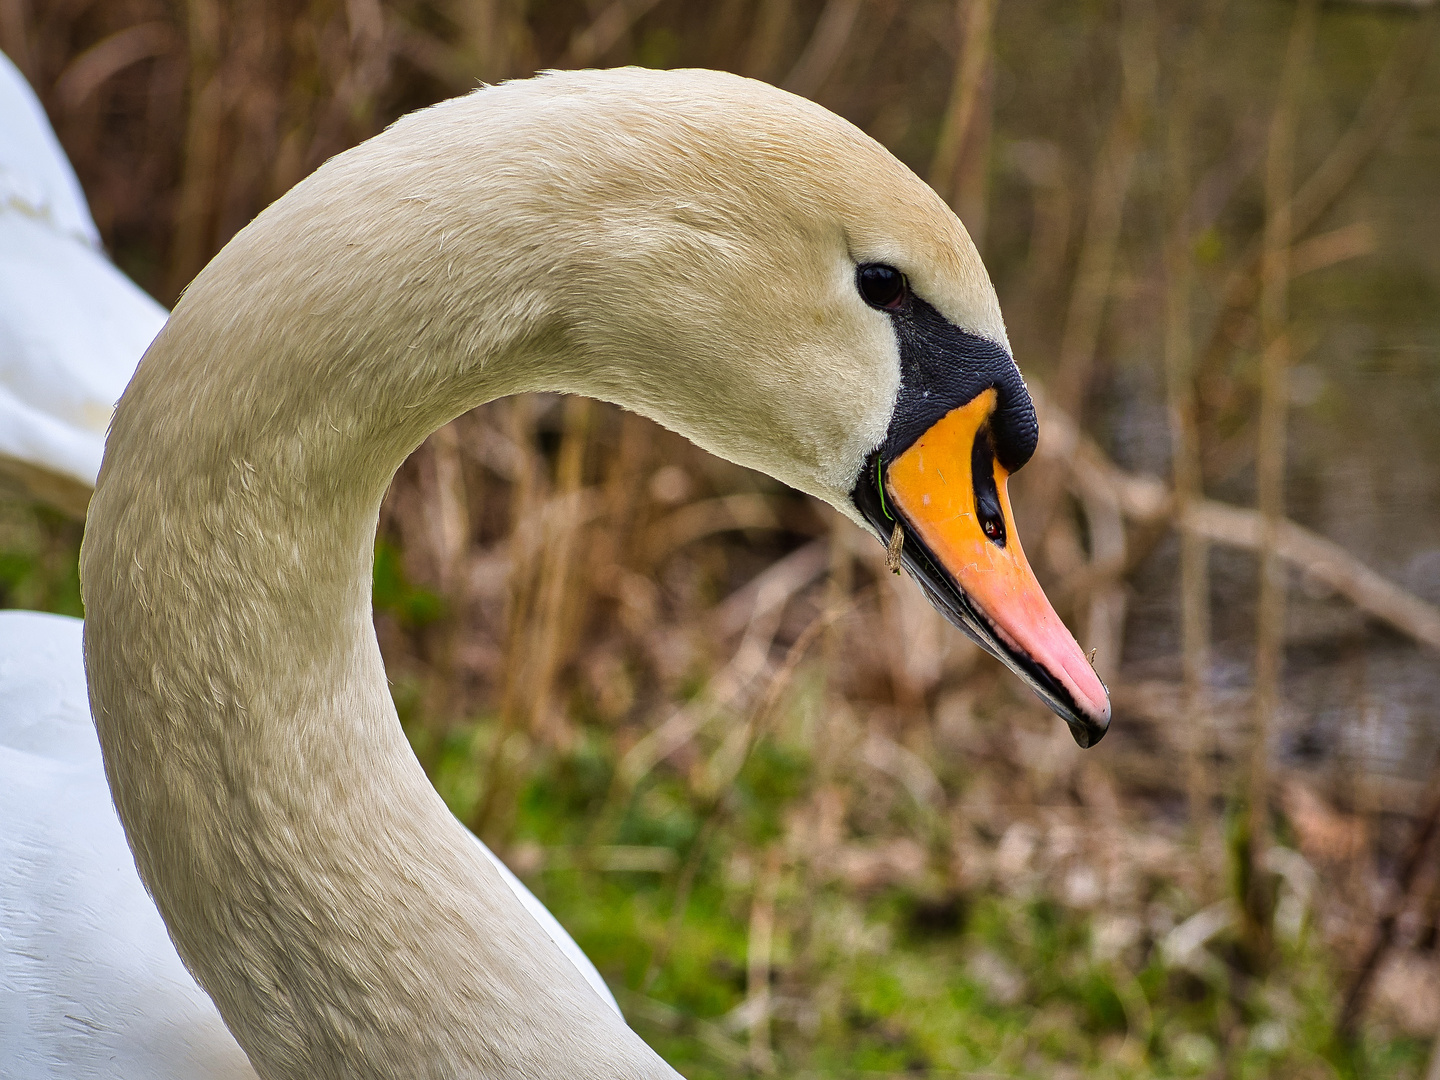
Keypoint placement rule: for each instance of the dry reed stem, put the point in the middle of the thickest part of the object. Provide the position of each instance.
(556, 571)
(757, 963)
(1331, 179)
(1110, 188)
(450, 521)
(193, 205)
(15, 38)
(525, 497)
(824, 49)
(447, 523)
(964, 134)
(1270, 451)
(767, 40)
(1185, 432)
(1106, 599)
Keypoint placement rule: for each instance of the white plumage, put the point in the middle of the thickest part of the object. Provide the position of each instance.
(72, 327)
(90, 984)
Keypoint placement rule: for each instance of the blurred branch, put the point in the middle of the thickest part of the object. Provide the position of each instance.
(824, 49)
(604, 33)
(1358, 992)
(1110, 188)
(962, 127)
(1270, 459)
(1147, 499)
(1332, 178)
(30, 483)
(84, 74)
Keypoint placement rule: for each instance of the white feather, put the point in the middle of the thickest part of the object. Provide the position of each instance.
(72, 327)
(90, 984)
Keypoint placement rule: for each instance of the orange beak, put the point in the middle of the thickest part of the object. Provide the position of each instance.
(948, 494)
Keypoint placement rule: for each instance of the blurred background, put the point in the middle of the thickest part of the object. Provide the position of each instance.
(802, 825)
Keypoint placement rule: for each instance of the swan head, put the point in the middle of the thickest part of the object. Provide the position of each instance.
(800, 302)
(735, 262)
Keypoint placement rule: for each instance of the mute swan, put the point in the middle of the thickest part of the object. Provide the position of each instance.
(72, 327)
(735, 262)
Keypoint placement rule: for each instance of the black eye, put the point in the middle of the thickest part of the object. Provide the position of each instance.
(882, 286)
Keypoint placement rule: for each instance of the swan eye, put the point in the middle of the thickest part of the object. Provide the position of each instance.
(882, 286)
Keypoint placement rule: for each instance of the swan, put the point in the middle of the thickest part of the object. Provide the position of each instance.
(72, 327)
(735, 262)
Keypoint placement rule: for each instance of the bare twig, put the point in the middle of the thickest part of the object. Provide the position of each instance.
(718, 780)
(707, 516)
(772, 587)
(1147, 499)
(1358, 992)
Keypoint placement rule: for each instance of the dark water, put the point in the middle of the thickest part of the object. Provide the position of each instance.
(1363, 471)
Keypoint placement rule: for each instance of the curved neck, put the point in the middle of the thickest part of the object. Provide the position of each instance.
(344, 922)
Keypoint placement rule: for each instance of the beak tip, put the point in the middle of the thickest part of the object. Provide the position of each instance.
(1089, 728)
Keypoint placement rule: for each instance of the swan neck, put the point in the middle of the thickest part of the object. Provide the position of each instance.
(341, 918)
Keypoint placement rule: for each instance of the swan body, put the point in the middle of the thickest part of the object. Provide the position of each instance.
(72, 327)
(90, 984)
(74, 914)
(735, 262)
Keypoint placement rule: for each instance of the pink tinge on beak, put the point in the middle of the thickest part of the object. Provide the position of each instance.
(1003, 590)
(933, 485)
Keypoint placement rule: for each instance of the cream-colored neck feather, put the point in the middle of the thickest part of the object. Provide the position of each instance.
(681, 243)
